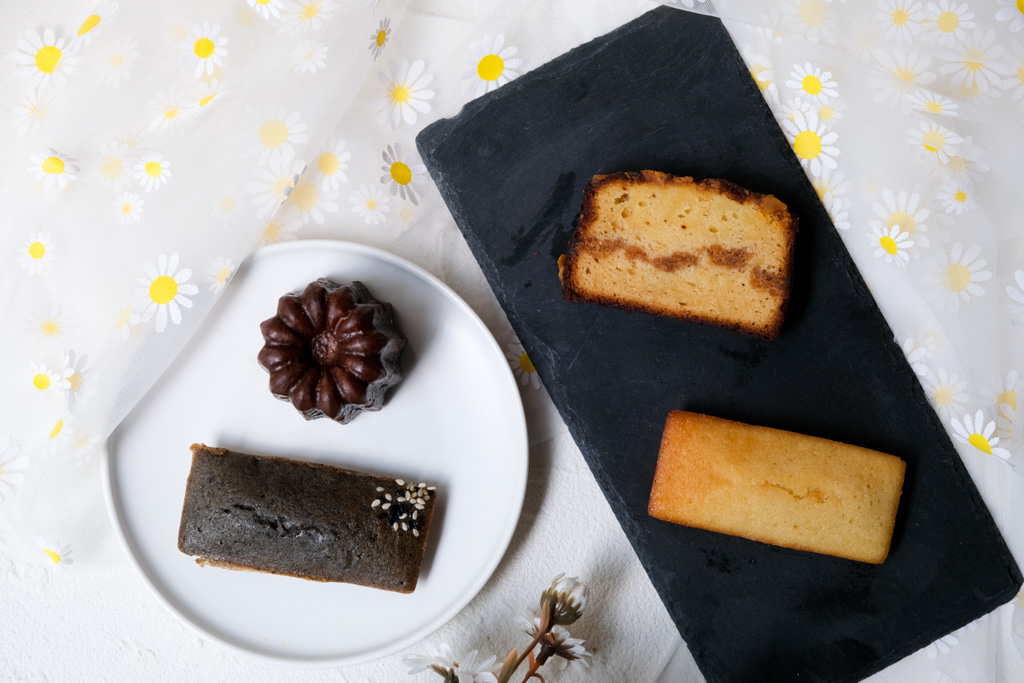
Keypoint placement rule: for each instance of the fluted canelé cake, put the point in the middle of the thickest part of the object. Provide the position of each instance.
(707, 251)
(304, 519)
(777, 487)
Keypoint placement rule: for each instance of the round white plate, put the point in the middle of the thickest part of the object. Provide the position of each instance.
(455, 421)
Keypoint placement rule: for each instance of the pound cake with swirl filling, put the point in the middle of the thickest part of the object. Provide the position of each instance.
(706, 251)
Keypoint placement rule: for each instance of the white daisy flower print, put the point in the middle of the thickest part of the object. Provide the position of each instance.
(332, 163)
(79, 381)
(267, 8)
(521, 364)
(837, 208)
(282, 226)
(56, 170)
(832, 182)
(127, 323)
(380, 37)
(495, 65)
(44, 59)
(100, 12)
(114, 160)
(1015, 81)
(402, 173)
(932, 103)
(776, 26)
(812, 20)
(1013, 12)
(164, 291)
(916, 355)
(129, 208)
(208, 92)
(204, 48)
(812, 142)
(1001, 396)
(169, 107)
(37, 253)
(863, 40)
(312, 201)
(310, 56)
(974, 66)
(965, 167)
(227, 207)
(57, 553)
(82, 444)
(10, 467)
(891, 245)
(306, 15)
(152, 171)
(933, 142)
(903, 71)
(980, 433)
(1016, 293)
(28, 114)
(405, 92)
(953, 278)
(218, 274)
(761, 71)
(273, 184)
(901, 18)
(57, 323)
(791, 107)
(903, 211)
(816, 85)
(42, 378)
(117, 61)
(946, 392)
(948, 22)
(272, 134)
(371, 203)
(957, 198)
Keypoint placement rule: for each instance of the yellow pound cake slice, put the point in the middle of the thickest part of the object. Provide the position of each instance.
(777, 487)
(707, 251)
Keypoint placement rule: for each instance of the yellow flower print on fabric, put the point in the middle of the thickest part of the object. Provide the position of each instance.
(495, 64)
(273, 184)
(44, 59)
(29, 114)
(403, 173)
(521, 364)
(812, 83)
(127, 323)
(947, 393)
(37, 253)
(901, 18)
(954, 277)
(169, 107)
(1013, 12)
(56, 554)
(371, 204)
(78, 379)
(307, 15)
(218, 274)
(55, 323)
(933, 142)
(128, 208)
(310, 56)
(164, 291)
(947, 22)
(812, 142)
(272, 134)
(267, 8)
(957, 198)
(117, 61)
(311, 200)
(974, 66)
(902, 210)
(282, 227)
(405, 92)
(891, 245)
(152, 171)
(979, 433)
(204, 48)
(380, 37)
(54, 169)
(42, 378)
(332, 163)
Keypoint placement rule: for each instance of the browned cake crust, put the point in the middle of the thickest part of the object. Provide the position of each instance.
(307, 520)
(776, 282)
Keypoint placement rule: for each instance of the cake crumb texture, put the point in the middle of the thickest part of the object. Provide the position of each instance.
(777, 487)
(707, 251)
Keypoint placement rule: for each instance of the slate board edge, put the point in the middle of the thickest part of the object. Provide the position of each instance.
(629, 526)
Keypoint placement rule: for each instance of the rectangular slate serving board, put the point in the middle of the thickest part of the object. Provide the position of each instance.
(669, 92)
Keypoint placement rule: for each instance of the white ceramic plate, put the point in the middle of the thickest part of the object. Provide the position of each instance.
(456, 421)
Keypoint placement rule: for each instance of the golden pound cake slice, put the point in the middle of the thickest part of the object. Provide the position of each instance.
(777, 487)
(707, 251)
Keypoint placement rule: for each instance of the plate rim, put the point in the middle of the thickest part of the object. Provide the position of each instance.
(115, 513)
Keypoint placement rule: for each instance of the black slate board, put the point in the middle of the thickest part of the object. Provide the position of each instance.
(669, 92)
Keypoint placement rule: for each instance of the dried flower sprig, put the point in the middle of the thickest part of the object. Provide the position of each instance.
(561, 604)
